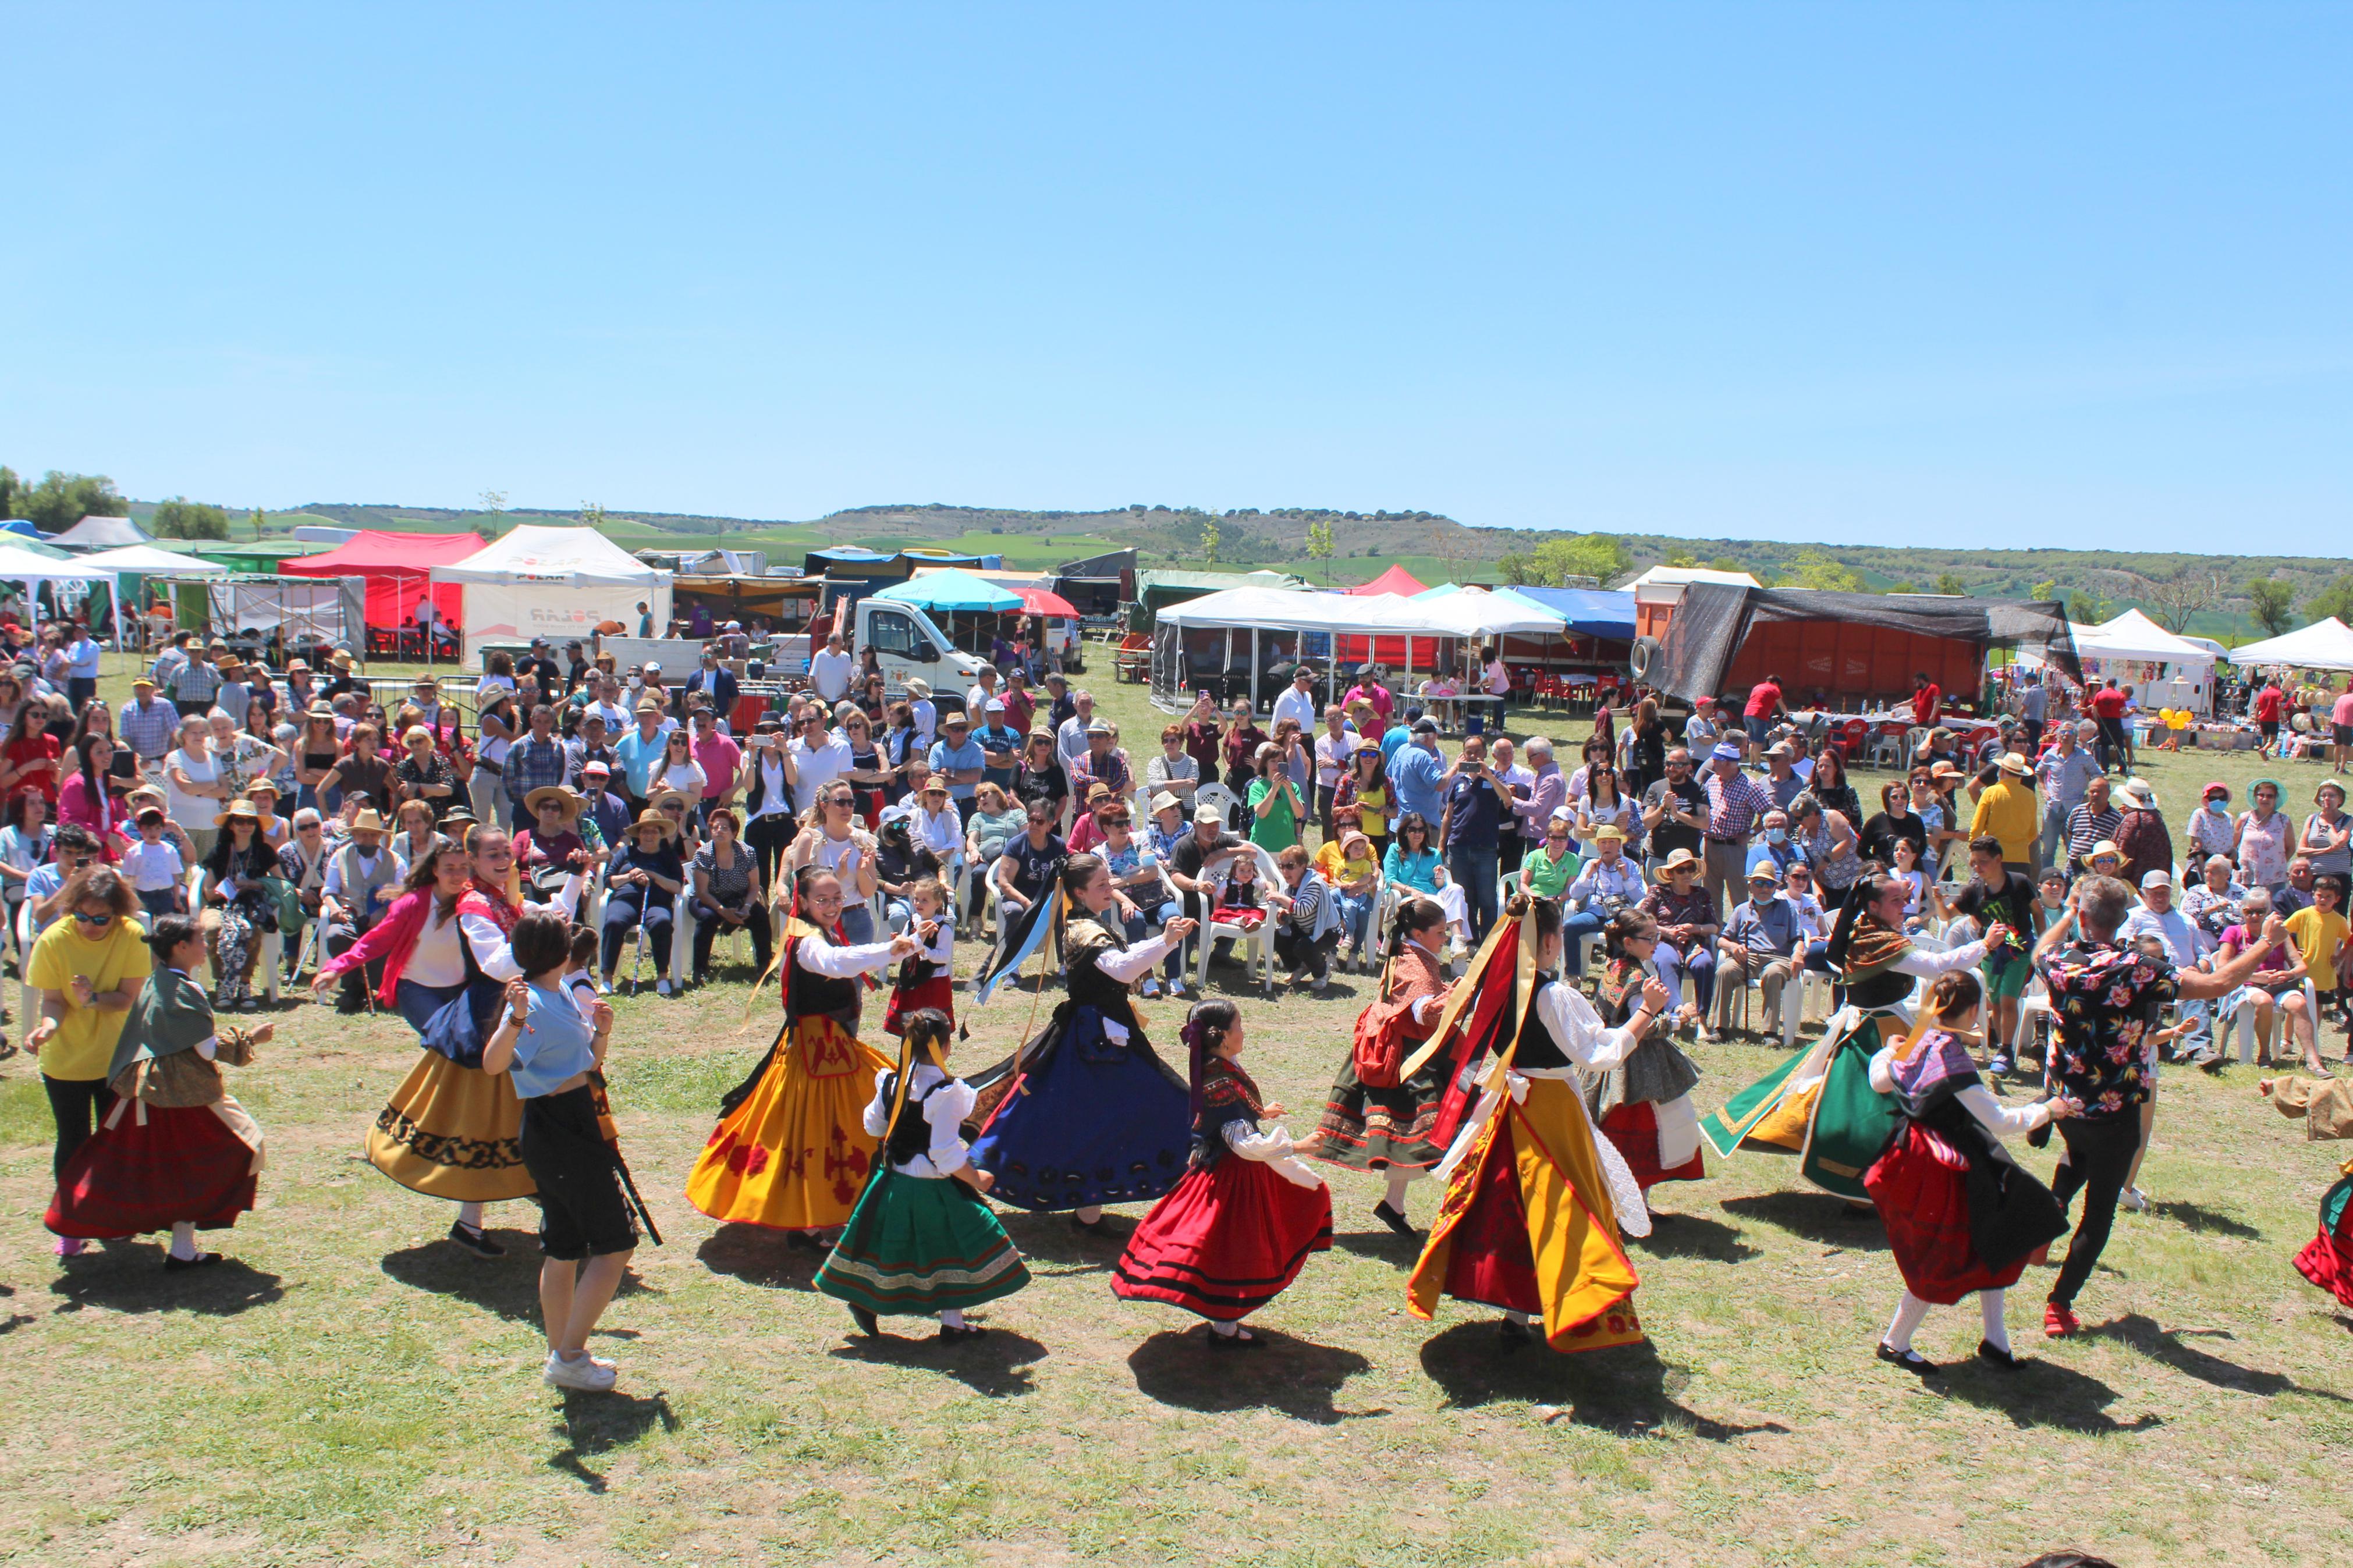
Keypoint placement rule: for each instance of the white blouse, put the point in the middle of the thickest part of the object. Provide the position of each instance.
(943, 1113)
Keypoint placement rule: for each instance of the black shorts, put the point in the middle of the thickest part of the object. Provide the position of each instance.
(582, 1213)
(2270, 727)
(2341, 733)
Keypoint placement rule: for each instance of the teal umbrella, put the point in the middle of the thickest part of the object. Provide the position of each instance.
(953, 590)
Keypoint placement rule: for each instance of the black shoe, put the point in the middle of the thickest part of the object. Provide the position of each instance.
(1098, 1226)
(1513, 1333)
(1240, 1340)
(802, 1241)
(867, 1323)
(1912, 1362)
(350, 1009)
(1393, 1220)
(201, 1260)
(474, 1241)
(969, 1332)
(2002, 1359)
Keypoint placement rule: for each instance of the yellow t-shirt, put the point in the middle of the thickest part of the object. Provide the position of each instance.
(2317, 937)
(84, 1043)
(1336, 871)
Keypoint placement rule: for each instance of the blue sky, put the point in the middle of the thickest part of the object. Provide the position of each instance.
(1991, 275)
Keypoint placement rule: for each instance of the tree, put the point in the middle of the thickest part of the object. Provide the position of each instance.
(1905, 586)
(2046, 589)
(62, 500)
(9, 485)
(181, 518)
(2086, 607)
(2270, 601)
(258, 517)
(2184, 592)
(1517, 569)
(1949, 583)
(1819, 569)
(1319, 546)
(1557, 563)
(2336, 599)
(1683, 559)
(1209, 540)
(592, 513)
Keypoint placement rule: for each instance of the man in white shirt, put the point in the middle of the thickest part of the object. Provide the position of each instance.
(831, 669)
(820, 756)
(919, 704)
(1335, 752)
(1297, 703)
(609, 703)
(984, 691)
(1070, 740)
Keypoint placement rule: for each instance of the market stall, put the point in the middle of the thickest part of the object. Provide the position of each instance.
(556, 583)
(141, 575)
(1240, 640)
(398, 571)
(2324, 644)
(2165, 671)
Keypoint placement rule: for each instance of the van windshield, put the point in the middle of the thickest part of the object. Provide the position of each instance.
(888, 632)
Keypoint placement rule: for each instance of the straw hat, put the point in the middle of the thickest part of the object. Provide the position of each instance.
(367, 821)
(341, 658)
(2105, 846)
(667, 797)
(2011, 762)
(2138, 792)
(1683, 859)
(648, 705)
(561, 794)
(654, 819)
(238, 811)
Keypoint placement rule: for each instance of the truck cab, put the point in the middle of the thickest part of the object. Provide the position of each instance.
(906, 644)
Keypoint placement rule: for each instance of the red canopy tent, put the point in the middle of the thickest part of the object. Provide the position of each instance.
(1045, 602)
(398, 568)
(1395, 580)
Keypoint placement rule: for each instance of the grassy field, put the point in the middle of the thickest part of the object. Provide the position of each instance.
(352, 1390)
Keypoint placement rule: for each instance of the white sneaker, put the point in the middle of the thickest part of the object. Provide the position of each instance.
(587, 1375)
(662, 986)
(1176, 988)
(1151, 986)
(2134, 1199)
(604, 987)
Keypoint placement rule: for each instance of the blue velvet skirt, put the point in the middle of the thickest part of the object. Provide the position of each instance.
(1078, 1120)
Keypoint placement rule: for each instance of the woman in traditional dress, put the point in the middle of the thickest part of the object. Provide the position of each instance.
(449, 1130)
(175, 1152)
(1961, 1215)
(791, 1151)
(1238, 1228)
(1643, 1104)
(922, 1240)
(1535, 1199)
(1389, 1125)
(1086, 1114)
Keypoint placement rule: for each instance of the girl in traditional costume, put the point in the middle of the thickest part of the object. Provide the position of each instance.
(450, 1130)
(922, 1240)
(1961, 1215)
(1535, 1198)
(1086, 1114)
(1373, 1118)
(1819, 1104)
(925, 981)
(791, 1151)
(176, 1151)
(1238, 1228)
(1643, 1104)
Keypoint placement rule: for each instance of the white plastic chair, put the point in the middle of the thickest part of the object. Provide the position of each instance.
(1227, 802)
(28, 999)
(1258, 946)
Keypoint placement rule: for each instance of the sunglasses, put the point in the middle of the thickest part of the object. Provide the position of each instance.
(97, 919)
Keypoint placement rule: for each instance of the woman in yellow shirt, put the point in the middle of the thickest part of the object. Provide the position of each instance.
(88, 967)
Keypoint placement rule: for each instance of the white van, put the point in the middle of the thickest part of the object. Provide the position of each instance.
(906, 645)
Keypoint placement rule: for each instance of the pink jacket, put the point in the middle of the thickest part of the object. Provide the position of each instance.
(392, 939)
(78, 803)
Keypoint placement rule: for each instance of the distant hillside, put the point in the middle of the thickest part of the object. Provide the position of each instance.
(1432, 545)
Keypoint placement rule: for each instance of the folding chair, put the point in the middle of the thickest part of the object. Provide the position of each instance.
(1217, 794)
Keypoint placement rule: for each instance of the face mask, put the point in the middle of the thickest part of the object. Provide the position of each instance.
(1776, 835)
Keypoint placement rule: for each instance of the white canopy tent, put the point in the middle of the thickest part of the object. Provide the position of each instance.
(148, 561)
(96, 532)
(553, 583)
(2324, 644)
(1260, 623)
(32, 568)
(2164, 670)
(1482, 613)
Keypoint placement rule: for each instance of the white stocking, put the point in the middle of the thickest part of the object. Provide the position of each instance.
(1090, 1214)
(950, 1317)
(1400, 1178)
(1997, 1331)
(183, 1239)
(471, 1216)
(1224, 1330)
(1910, 1312)
(1523, 1319)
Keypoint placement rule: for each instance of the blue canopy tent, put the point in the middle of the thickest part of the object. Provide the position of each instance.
(1591, 612)
(953, 590)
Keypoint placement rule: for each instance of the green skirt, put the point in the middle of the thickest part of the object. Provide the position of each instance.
(919, 1245)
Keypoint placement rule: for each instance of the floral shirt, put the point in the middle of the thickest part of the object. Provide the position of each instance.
(2104, 999)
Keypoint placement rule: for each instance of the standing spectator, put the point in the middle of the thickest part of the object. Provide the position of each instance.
(716, 681)
(1370, 689)
(1020, 702)
(2269, 702)
(958, 760)
(2142, 834)
(1782, 780)
(1333, 748)
(1927, 700)
(148, 726)
(2006, 810)
(1365, 790)
(1000, 746)
(1764, 707)
(1735, 803)
(2064, 775)
(194, 683)
(1071, 734)
(1673, 810)
(720, 758)
(2033, 704)
(639, 753)
(1174, 769)
(193, 788)
(2261, 844)
(168, 663)
(2105, 998)
(1643, 751)
(1296, 701)
(81, 666)
(2328, 840)
(1273, 801)
(1415, 772)
(2089, 823)
(1240, 745)
(30, 756)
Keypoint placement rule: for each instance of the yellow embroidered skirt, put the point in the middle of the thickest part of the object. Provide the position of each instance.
(1528, 1223)
(794, 1153)
(452, 1133)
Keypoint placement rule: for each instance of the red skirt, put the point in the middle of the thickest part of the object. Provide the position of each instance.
(938, 991)
(1491, 1261)
(129, 1179)
(1920, 1187)
(1633, 1126)
(2328, 1259)
(1225, 1241)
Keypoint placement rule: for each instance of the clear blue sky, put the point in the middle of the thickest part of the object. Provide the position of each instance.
(1993, 274)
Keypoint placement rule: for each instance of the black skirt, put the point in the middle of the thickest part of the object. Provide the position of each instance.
(582, 1210)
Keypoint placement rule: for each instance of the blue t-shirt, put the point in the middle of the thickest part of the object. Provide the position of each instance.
(553, 1044)
(1476, 815)
(947, 760)
(997, 738)
(638, 756)
(44, 881)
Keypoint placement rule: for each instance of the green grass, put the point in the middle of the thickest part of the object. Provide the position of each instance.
(353, 1391)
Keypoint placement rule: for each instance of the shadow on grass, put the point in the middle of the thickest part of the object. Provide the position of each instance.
(1385, 1244)
(507, 1286)
(1627, 1391)
(1295, 1377)
(1692, 1236)
(131, 1279)
(2040, 1393)
(2163, 1345)
(1050, 1237)
(1817, 1216)
(596, 1423)
(997, 1364)
(2199, 1217)
(759, 1257)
